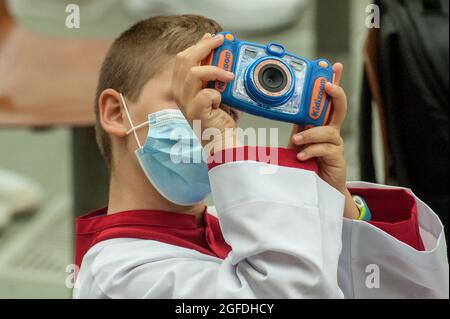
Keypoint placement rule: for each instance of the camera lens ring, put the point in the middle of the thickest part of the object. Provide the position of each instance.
(278, 69)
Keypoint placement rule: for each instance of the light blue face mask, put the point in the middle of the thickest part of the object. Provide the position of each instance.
(172, 157)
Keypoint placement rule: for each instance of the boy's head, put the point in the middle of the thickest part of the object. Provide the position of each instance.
(139, 65)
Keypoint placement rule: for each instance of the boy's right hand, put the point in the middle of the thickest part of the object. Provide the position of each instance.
(188, 87)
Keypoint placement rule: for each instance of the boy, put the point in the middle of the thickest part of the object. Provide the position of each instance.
(280, 235)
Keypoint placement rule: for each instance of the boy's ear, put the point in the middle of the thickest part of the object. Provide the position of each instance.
(112, 116)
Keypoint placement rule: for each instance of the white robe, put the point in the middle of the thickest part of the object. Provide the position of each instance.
(289, 240)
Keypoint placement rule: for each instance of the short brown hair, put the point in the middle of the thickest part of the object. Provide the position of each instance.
(141, 52)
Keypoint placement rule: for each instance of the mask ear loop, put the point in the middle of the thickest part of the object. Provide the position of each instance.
(136, 128)
(131, 122)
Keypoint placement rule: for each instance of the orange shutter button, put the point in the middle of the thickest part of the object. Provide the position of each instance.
(323, 64)
(229, 37)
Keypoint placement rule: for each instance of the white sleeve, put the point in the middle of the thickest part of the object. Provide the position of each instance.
(283, 224)
(376, 264)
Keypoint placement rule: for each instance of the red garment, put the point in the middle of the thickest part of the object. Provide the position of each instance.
(171, 228)
(393, 211)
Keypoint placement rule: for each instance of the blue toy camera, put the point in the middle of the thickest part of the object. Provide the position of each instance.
(273, 83)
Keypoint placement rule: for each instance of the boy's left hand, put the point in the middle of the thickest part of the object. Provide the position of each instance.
(326, 144)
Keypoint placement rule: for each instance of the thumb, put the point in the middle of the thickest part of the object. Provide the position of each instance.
(339, 98)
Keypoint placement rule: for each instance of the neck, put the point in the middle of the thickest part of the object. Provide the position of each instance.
(131, 190)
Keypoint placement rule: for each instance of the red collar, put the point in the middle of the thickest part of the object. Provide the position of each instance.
(170, 228)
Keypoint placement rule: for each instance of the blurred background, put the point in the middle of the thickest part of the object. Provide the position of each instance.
(50, 169)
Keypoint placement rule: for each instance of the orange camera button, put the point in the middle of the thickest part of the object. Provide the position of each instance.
(323, 64)
(229, 37)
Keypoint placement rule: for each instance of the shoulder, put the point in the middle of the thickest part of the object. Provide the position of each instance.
(116, 268)
(123, 252)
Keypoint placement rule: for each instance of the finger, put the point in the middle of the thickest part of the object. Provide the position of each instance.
(193, 56)
(339, 100)
(296, 129)
(206, 36)
(197, 53)
(199, 75)
(338, 69)
(204, 101)
(323, 134)
(319, 151)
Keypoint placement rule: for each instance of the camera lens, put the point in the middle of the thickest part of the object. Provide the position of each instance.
(273, 78)
(270, 81)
